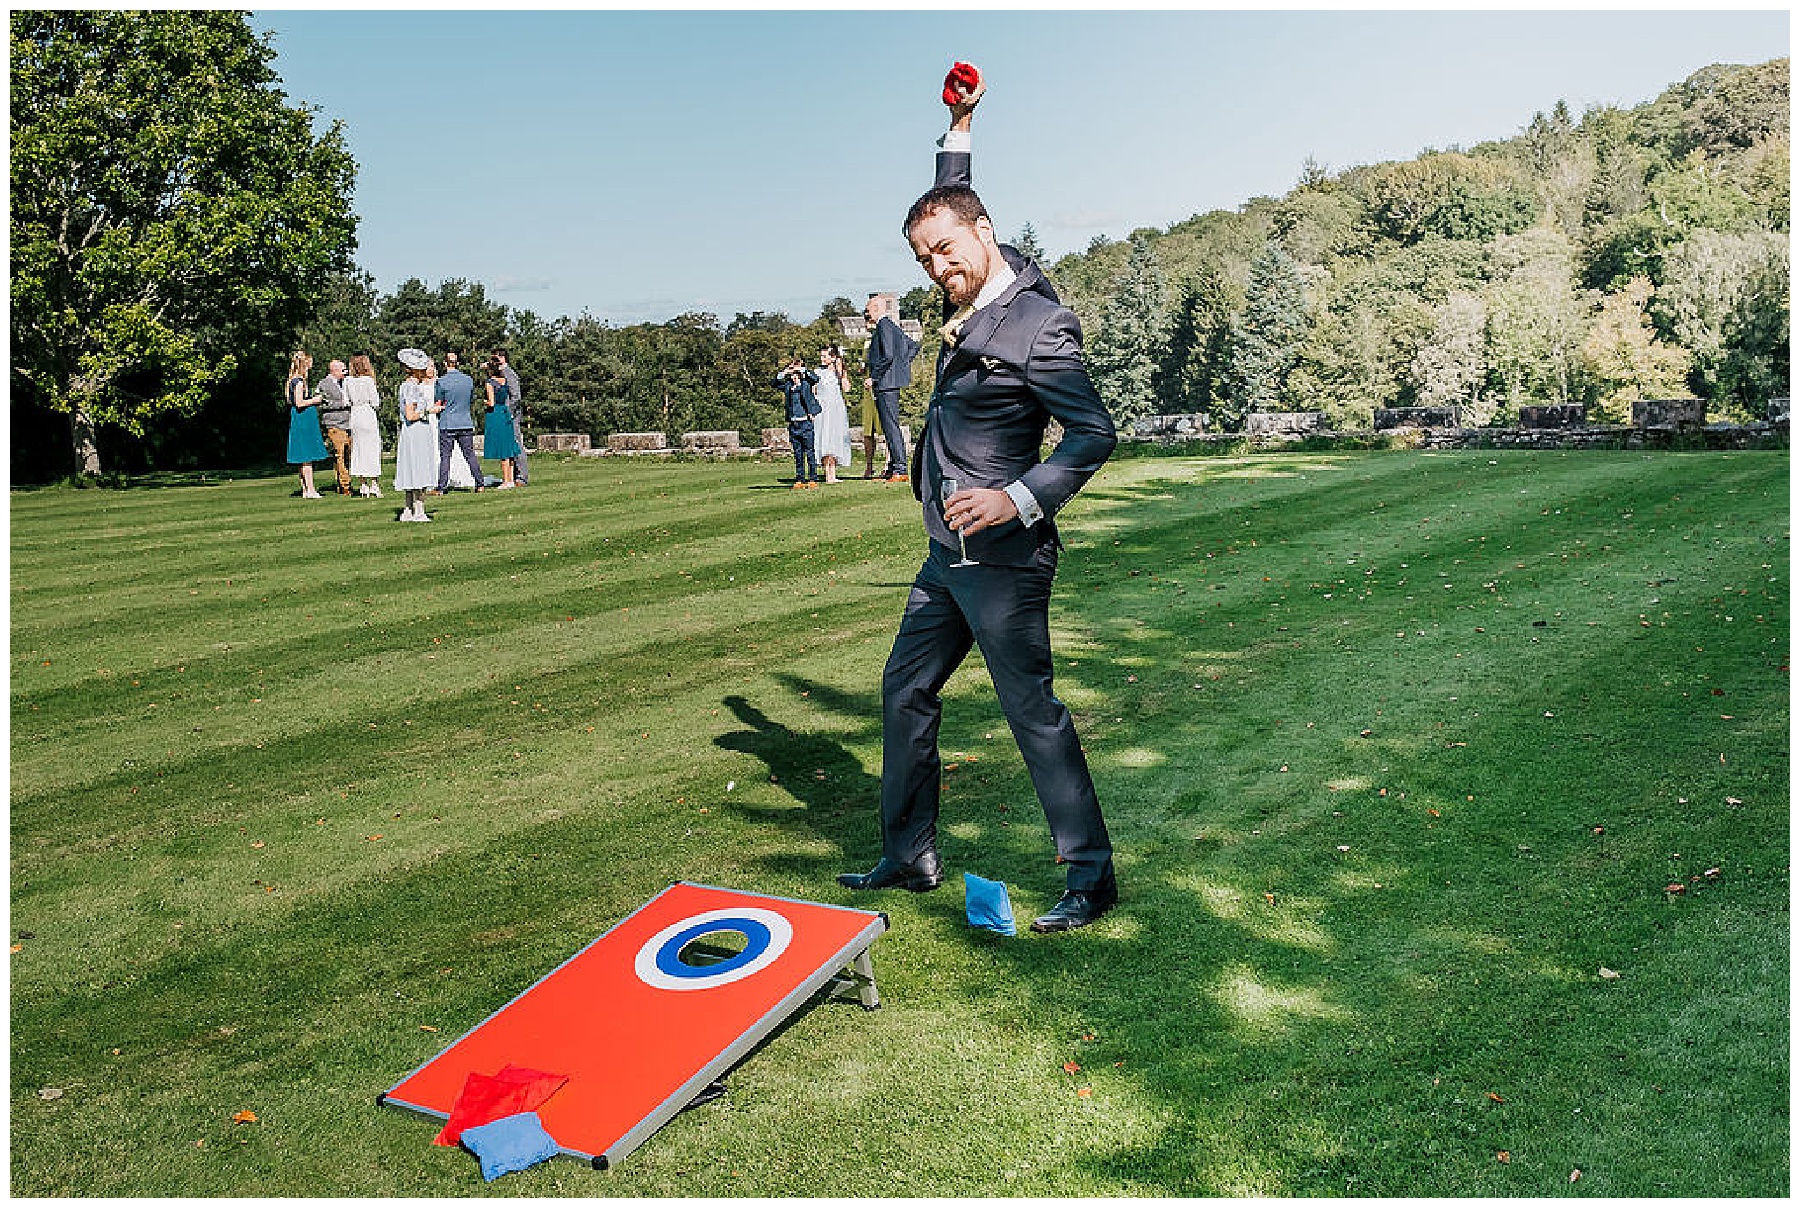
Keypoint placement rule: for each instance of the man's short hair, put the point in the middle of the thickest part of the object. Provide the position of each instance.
(960, 200)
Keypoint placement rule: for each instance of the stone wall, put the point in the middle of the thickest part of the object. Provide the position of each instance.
(711, 442)
(1553, 416)
(1678, 413)
(1179, 426)
(1712, 436)
(1388, 418)
(563, 442)
(1290, 425)
(637, 442)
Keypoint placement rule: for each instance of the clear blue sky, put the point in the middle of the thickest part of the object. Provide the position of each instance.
(638, 164)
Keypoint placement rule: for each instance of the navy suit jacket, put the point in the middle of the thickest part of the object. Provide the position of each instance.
(1016, 365)
(798, 395)
(890, 358)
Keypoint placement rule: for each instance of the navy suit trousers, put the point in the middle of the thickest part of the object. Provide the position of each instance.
(1004, 610)
(800, 441)
(887, 407)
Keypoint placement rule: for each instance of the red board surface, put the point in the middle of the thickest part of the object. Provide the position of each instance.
(639, 1032)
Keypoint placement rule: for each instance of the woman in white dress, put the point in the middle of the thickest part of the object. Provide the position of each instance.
(415, 460)
(831, 426)
(365, 426)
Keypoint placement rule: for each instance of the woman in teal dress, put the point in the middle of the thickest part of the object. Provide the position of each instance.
(305, 443)
(497, 439)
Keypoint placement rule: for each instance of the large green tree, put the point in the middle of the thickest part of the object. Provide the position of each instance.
(172, 214)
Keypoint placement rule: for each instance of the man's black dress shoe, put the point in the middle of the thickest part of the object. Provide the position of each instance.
(1078, 908)
(922, 874)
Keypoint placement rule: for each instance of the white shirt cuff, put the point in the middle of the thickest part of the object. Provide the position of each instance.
(954, 140)
(1029, 511)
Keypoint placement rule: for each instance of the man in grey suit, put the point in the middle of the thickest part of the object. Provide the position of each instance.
(889, 364)
(1011, 362)
(334, 413)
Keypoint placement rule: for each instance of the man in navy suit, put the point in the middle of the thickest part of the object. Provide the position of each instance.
(1011, 362)
(889, 362)
(796, 382)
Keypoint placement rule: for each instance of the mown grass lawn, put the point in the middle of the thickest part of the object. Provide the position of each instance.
(1399, 751)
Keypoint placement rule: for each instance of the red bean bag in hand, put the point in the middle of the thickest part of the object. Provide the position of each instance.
(963, 79)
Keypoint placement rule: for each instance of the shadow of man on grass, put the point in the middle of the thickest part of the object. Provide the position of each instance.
(838, 796)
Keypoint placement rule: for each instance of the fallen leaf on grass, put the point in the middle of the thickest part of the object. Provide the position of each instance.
(244, 1117)
(1070, 1067)
(425, 1027)
(50, 1092)
(1495, 1098)
(1608, 974)
(1086, 1092)
(1575, 1175)
(1675, 887)
(1504, 1157)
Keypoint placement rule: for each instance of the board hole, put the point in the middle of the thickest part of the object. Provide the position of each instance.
(712, 948)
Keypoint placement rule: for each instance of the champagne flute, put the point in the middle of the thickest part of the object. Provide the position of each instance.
(950, 487)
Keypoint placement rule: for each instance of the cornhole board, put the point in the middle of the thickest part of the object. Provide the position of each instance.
(641, 1030)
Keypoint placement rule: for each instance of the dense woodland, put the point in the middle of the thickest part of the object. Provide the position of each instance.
(1630, 253)
(1637, 253)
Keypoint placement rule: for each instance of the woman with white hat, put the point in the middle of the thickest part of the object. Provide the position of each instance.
(416, 458)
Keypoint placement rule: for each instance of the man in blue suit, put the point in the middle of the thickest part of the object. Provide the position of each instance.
(796, 382)
(889, 363)
(454, 397)
(1011, 362)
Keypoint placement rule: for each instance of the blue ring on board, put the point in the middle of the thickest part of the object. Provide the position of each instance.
(756, 936)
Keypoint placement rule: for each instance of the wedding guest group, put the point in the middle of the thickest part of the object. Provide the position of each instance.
(339, 418)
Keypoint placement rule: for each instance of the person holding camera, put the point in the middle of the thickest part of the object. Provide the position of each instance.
(796, 382)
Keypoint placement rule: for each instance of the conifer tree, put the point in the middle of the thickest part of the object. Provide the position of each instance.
(1123, 354)
(1266, 338)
